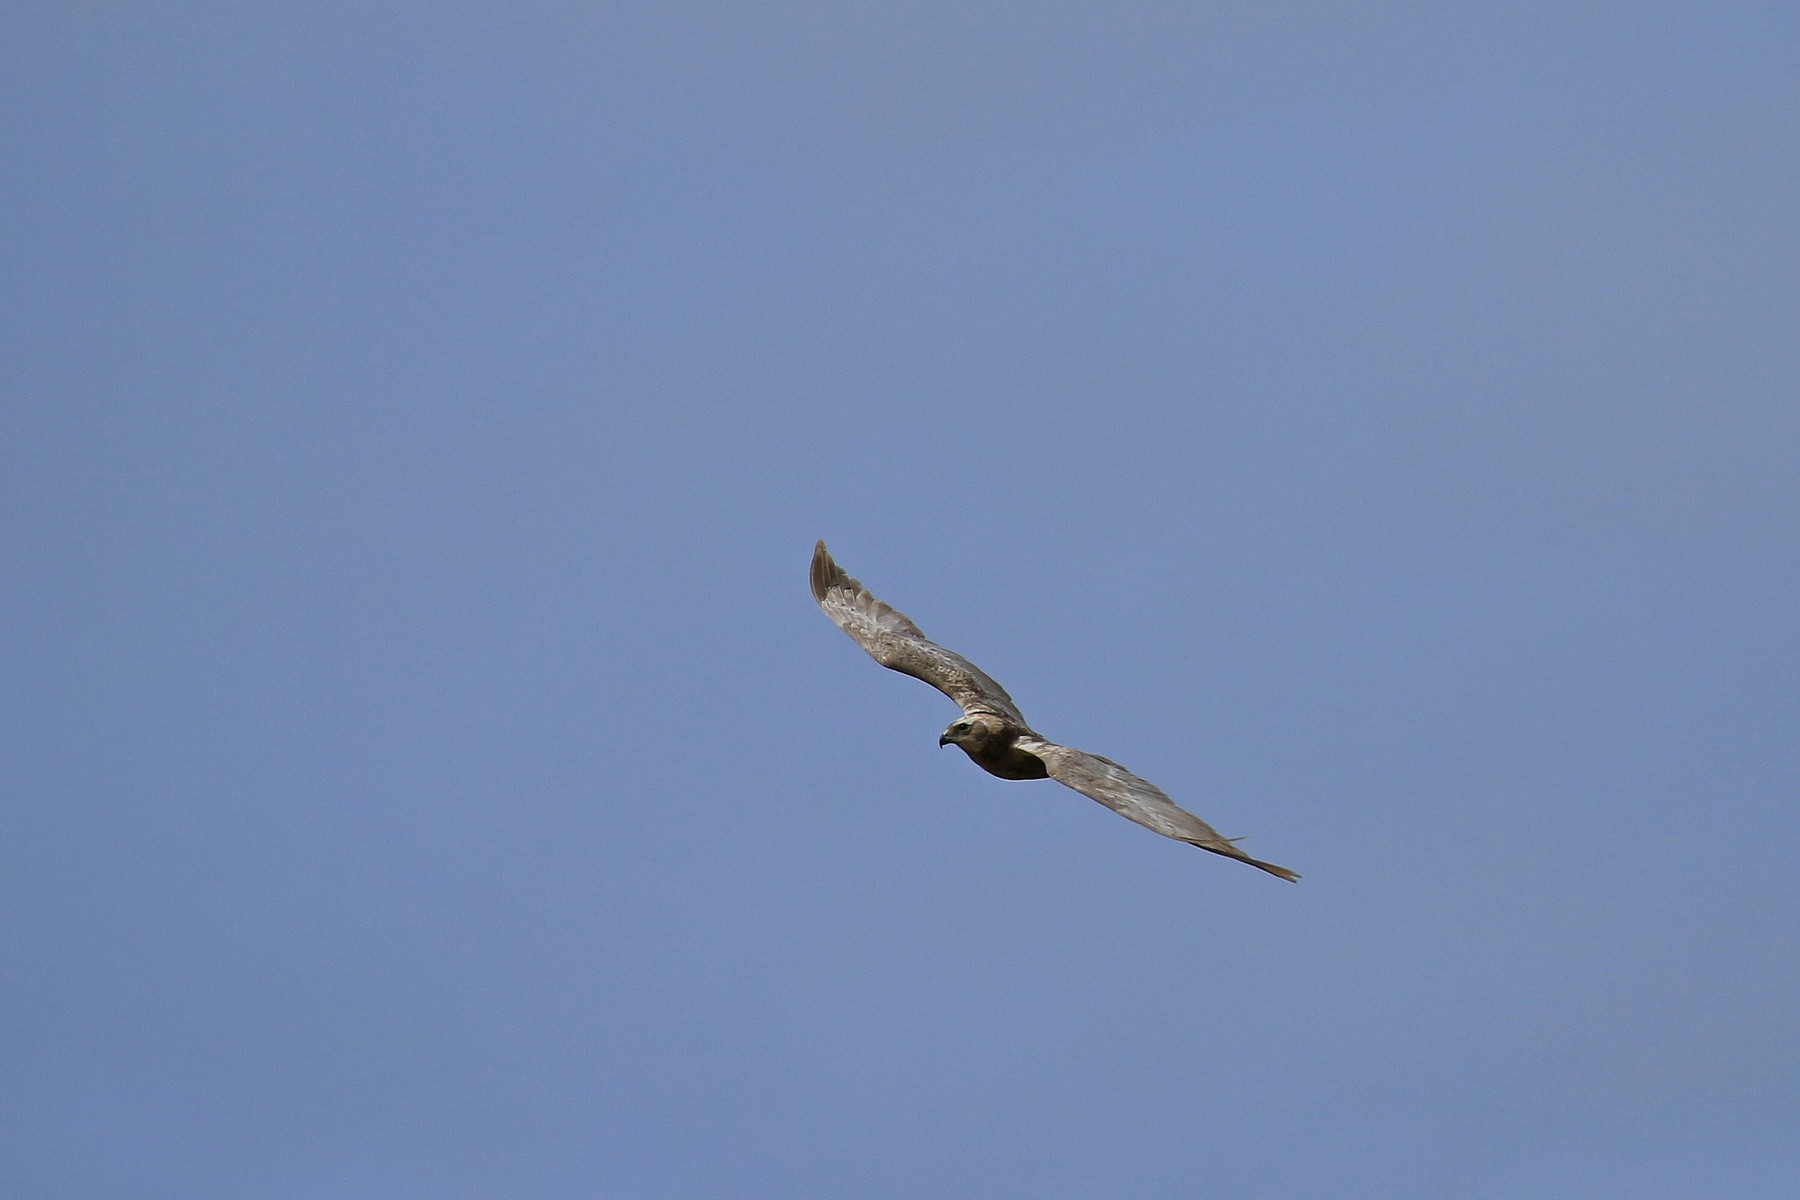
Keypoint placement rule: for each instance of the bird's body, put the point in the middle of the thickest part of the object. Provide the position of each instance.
(992, 743)
(992, 731)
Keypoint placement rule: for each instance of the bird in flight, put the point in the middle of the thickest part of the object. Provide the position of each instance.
(991, 730)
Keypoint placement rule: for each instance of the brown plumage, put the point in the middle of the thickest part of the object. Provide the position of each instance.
(992, 731)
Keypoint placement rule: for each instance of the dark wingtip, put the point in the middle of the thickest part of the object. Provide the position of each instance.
(824, 572)
(1271, 868)
(1230, 851)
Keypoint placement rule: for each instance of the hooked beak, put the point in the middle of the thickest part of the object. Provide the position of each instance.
(943, 741)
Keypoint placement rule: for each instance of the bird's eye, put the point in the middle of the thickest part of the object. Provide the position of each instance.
(960, 727)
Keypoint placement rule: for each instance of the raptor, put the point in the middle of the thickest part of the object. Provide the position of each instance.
(992, 731)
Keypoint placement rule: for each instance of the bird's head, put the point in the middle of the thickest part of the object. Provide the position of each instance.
(976, 732)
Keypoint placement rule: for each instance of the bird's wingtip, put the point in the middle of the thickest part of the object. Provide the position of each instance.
(1224, 847)
(824, 572)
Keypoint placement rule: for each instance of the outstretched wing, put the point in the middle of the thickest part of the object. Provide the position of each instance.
(896, 643)
(1139, 799)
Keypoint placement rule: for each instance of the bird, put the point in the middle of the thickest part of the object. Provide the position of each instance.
(992, 731)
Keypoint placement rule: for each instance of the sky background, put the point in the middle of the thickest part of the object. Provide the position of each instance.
(425, 774)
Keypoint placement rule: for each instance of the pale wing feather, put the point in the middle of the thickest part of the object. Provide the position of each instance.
(896, 643)
(1140, 800)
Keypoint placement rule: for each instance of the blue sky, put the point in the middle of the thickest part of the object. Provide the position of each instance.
(426, 773)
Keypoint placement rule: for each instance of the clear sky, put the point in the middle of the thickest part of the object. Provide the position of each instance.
(425, 775)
